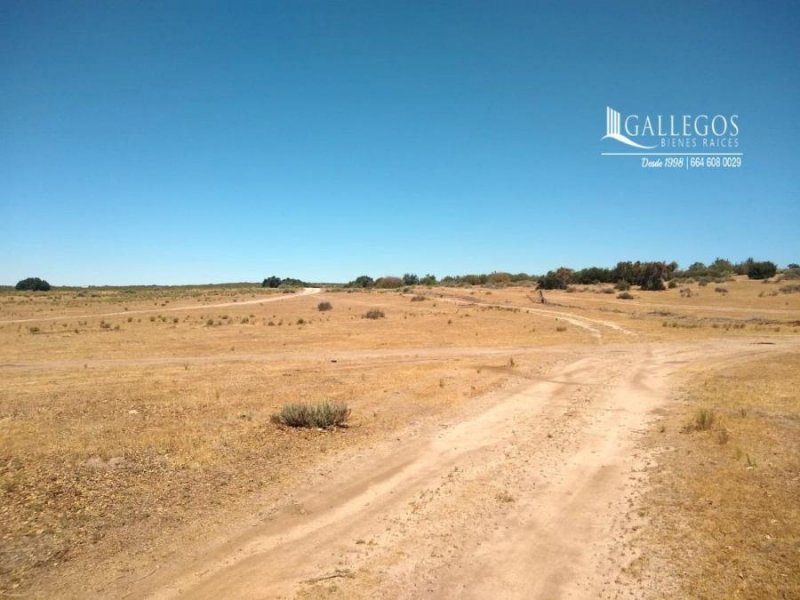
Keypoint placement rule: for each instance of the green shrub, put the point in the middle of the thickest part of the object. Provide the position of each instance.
(271, 282)
(761, 270)
(324, 414)
(623, 285)
(362, 281)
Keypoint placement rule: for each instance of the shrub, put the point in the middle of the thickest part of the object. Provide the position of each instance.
(623, 285)
(790, 289)
(271, 282)
(721, 290)
(362, 281)
(702, 420)
(389, 283)
(325, 414)
(625, 296)
(672, 284)
(410, 279)
(374, 314)
(323, 306)
(418, 298)
(556, 280)
(428, 280)
(761, 270)
(290, 282)
(791, 273)
(33, 284)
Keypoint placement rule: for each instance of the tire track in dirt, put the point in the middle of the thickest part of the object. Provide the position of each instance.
(305, 292)
(526, 497)
(585, 323)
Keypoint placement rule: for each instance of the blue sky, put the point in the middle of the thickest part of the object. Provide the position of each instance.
(193, 142)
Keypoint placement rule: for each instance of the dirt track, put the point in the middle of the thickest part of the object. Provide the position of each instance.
(305, 292)
(525, 495)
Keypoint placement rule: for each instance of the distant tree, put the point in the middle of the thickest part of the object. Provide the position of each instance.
(499, 277)
(33, 284)
(793, 266)
(761, 270)
(410, 279)
(556, 280)
(697, 269)
(626, 271)
(388, 282)
(651, 276)
(721, 268)
(428, 280)
(362, 281)
(271, 282)
(475, 279)
(743, 267)
(593, 275)
(290, 282)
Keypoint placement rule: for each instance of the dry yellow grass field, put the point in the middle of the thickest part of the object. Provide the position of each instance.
(725, 499)
(135, 422)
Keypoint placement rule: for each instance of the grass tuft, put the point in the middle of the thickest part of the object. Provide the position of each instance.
(324, 415)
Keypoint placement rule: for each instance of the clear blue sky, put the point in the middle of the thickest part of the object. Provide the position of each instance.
(193, 141)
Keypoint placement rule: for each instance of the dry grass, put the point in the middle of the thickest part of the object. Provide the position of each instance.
(724, 511)
(116, 429)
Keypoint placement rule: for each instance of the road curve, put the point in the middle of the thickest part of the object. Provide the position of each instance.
(305, 292)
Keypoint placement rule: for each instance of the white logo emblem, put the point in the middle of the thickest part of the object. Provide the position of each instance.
(613, 130)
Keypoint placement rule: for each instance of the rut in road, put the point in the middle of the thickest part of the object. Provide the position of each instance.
(525, 498)
(521, 479)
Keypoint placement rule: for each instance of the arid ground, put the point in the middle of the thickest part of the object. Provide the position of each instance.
(589, 447)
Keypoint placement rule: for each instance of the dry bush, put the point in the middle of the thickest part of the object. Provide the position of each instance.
(374, 313)
(625, 296)
(702, 420)
(324, 415)
(418, 298)
(323, 306)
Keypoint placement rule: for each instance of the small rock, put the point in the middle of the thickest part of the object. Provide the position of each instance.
(133, 411)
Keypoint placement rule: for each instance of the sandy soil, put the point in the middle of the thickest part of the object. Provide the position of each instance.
(525, 496)
(496, 451)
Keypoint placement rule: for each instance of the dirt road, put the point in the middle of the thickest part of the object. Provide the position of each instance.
(161, 309)
(525, 495)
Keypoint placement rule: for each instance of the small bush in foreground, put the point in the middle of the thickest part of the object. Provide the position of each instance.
(323, 306)
(625, 296)
(702, 420)
(418, 298)
(324, 415)
(374, 314)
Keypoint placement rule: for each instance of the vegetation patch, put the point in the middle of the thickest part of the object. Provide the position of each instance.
(723, 519)
(324, 415)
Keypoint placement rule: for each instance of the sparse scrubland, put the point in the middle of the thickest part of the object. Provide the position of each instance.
(147, 417)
